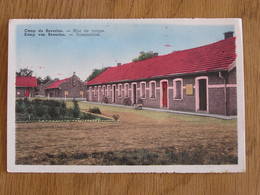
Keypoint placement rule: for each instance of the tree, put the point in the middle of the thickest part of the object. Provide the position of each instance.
(145, 55)
(76, 110)
(26, 72)
(95, 73)
(43, 80)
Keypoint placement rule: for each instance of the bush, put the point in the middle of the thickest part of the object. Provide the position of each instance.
(105, 100)
(76, 110)
(95, 110)
(116, 117)
(140, 101)
(63, 109)
(86, 116)
(20, 107)
(127, 101)
(40, 110)
(53, 112)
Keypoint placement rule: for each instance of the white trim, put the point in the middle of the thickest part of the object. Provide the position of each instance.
(174, 88)
(197, 99)
(222, 85)
(90, 93)
(161, 93)
(126, 91)
(99, 92)
(150, 89)
(141, 90)
(95, 91)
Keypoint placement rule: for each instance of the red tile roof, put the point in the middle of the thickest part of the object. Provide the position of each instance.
(56, 84)
(211, 57)
(22, 81)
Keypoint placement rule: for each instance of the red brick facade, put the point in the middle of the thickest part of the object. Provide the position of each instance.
(217, 101)
(71, 87)
(201, 79)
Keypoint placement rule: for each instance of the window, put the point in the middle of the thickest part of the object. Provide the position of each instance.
(104, 91)
(126, 89)
(152, 89)
(119, 90)
(90, 93)
(177, 89)
(122, 91)
(95, 90)
(143, 86)
(81, 94)
(108, 91)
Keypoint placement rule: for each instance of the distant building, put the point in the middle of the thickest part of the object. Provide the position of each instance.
(25, 86)
(71, 87)
(201, 79)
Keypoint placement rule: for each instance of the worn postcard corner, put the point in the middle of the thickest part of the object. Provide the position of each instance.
(126, 96)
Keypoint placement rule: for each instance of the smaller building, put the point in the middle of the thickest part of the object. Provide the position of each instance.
(26, 86)
(71, 87)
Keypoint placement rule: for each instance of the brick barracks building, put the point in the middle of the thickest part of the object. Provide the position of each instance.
(201, 79)
(71, 87)
(25, 86)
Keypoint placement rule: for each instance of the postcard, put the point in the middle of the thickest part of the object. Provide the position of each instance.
(126, 96)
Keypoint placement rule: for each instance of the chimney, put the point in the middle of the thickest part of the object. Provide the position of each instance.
(74, 73)
(118, 64)
(155, 54)
(228, 34)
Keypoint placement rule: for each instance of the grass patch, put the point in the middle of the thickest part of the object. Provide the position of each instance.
(194, 155)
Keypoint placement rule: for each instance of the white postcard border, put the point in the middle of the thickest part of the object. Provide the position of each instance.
(240, 167)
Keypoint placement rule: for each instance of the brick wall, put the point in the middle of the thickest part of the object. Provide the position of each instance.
(216, 94)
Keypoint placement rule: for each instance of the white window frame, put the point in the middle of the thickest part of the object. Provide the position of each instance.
(150, 89)
(104, 91)
(197, 101)
(119, 90)
(108, 90)
(95, 91)
(161, 93)
(141, 90)
(175, 89)
(126, 91)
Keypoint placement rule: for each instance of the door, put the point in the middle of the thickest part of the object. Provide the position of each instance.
(114, 94)
(164, 94)
(134, 94)
(202, 95)
(27, 93)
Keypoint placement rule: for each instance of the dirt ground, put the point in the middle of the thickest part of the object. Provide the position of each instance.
(139, 137)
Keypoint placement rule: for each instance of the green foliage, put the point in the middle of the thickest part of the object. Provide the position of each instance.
(26, 72)
(20, 106)
(95, 110)
(127, 101)
(105, 100)
(43, 80)
(86, 116)
(76, 110)
(140, 101)
(95, 73)
(51, 110)
(116, 117)
(145, 55)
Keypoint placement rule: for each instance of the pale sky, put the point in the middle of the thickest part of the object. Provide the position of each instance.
(60, 56)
